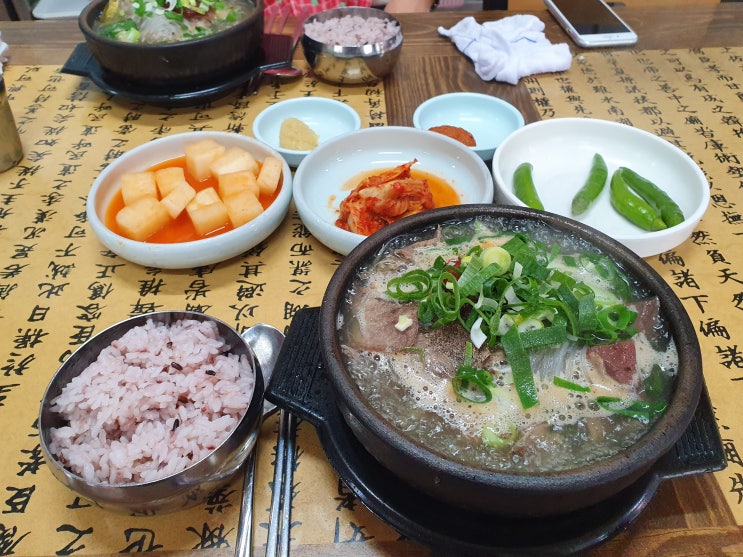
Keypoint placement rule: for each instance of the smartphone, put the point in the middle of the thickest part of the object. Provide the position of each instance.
(591, 23)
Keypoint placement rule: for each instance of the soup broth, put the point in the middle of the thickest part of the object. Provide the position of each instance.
(555, 359)
(166, 21)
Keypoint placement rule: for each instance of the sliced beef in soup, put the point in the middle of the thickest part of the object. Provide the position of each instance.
(385, 324)
(650, 323)
(618, 360)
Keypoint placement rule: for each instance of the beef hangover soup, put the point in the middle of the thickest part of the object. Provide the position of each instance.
(169, 21)
(494, 345)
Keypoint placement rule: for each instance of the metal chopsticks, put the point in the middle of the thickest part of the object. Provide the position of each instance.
(244, 545)
(279, 525)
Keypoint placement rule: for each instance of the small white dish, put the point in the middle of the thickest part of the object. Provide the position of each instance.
(489, 119)
(561, 151)
(324, 178)
(183, 255)
(328, 118)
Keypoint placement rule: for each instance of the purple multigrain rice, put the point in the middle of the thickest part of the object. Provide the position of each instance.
(130, 421)
(351, 30)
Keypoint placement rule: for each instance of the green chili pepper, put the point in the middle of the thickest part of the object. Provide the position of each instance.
(523, 186)
(632, 207)
(593, 186)
(669, 211)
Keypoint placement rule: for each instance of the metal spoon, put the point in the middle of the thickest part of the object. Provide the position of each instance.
(285, 72)
(265, 341)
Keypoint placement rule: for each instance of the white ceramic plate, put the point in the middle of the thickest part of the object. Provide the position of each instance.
(328, 118)
(489, 119)
(561, 151)
(321, 181)
(185, 254)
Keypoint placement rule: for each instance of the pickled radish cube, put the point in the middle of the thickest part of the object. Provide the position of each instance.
(270, 175)
(200, 155)
(233, 159)
(142, 219)
(175, 202)
(207, 211)
(235, 182)
(135, 185)
(242, 207)
(168, 178)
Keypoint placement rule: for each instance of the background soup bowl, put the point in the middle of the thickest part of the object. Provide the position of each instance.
(476, 489)
(325, 177)
(177, 491)
(183, 255)
(175, 65)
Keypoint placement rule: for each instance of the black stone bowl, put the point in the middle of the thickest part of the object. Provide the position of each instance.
(513, 495)
(197, 62)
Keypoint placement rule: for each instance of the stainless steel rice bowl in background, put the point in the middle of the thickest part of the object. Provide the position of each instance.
(177, 491)
(352, 64)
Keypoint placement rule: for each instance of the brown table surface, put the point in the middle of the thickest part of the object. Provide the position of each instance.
(688, 516)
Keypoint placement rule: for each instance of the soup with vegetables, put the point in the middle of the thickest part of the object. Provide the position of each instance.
(169, 21)
(492, 344)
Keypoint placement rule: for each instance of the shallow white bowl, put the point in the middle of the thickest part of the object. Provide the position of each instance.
(322, 180)
(326, 117)
(185, 254)
(561, 151)
(489, 119)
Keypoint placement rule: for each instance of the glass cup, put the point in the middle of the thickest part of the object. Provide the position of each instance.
(11, 151)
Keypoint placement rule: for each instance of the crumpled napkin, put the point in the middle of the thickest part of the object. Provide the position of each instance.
(509, 48)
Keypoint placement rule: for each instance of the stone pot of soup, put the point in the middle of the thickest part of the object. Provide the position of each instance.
(143, 44)
(508, 361)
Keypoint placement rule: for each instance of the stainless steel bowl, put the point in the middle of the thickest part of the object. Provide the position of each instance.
(184, 489)
(351, 65)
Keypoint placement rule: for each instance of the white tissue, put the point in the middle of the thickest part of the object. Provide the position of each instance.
(509, 48)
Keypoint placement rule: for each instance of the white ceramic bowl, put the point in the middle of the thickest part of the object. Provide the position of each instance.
(561, 151)
(185, 254)
(489, 119)
(322, 180)
(326, 117)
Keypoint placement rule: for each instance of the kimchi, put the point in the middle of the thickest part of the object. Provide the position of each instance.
(384, 198)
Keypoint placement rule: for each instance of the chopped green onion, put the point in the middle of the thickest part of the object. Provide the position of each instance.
(413, 285)
(496, 439)
(470, 383)
(641, 410)
(523, 378)
(565, 384)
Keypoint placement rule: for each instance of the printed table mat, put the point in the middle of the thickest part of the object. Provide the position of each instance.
(691, 98)
(59, 286)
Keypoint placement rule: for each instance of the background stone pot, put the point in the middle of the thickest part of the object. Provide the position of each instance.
(199, 62)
